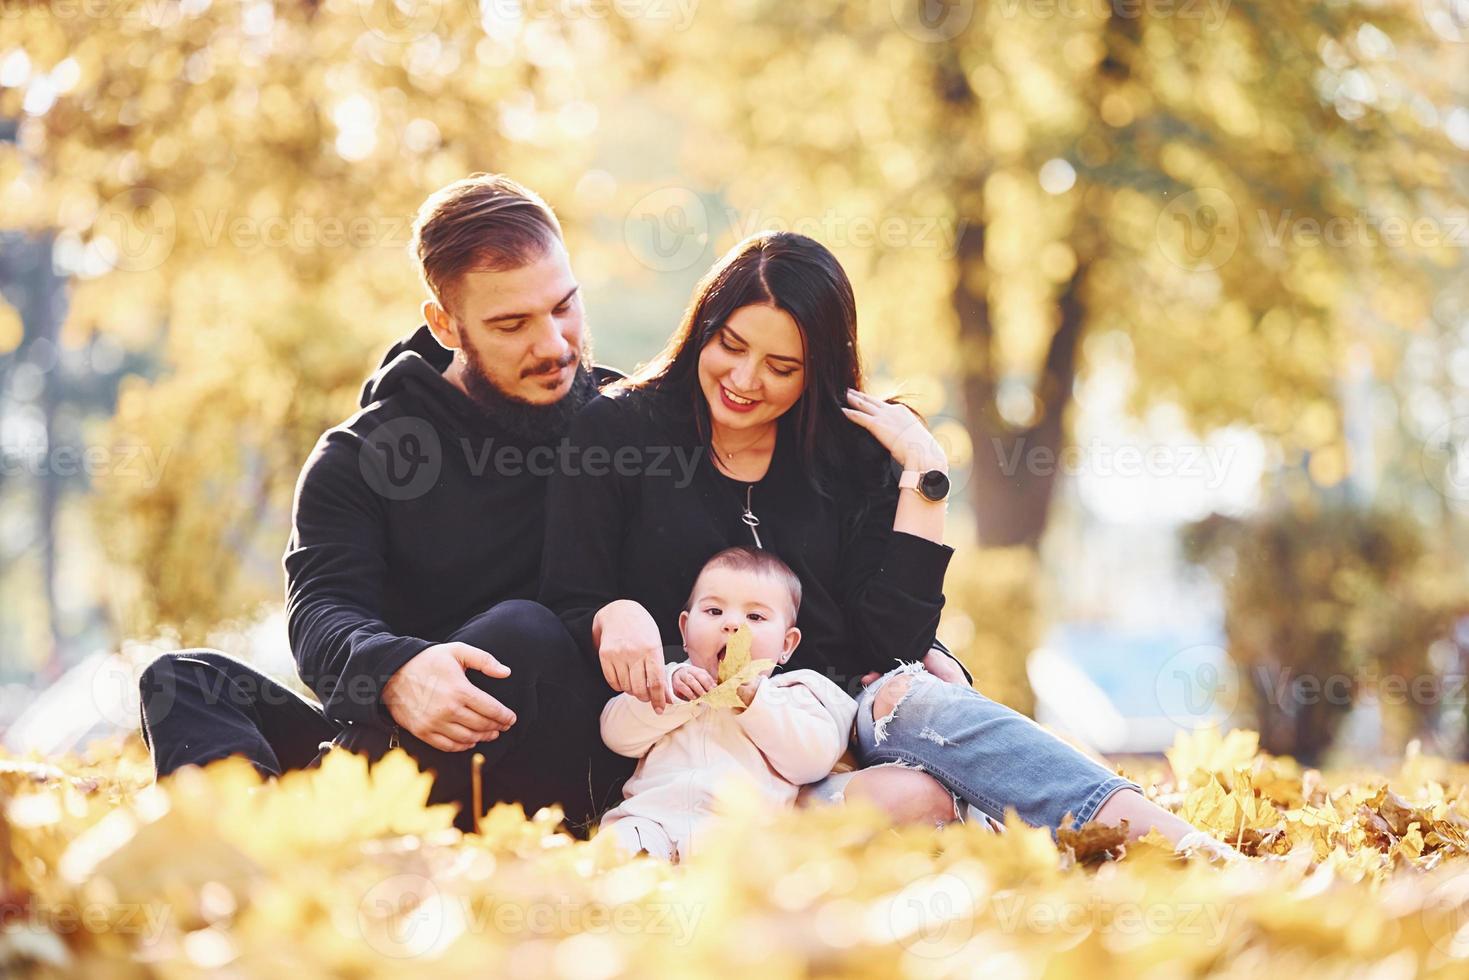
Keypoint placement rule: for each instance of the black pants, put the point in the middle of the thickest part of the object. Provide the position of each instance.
(203, 705)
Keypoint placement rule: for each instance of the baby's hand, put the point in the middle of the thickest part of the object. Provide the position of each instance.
(690, 682)
(751, 687)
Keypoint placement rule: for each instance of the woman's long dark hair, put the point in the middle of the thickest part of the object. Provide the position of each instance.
(800, 276)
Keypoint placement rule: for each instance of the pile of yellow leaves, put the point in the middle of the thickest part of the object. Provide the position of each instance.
(344, 871)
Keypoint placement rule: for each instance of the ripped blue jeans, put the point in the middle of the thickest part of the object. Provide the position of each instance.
(985, 754)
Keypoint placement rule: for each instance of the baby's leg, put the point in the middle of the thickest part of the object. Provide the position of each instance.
(639, 835)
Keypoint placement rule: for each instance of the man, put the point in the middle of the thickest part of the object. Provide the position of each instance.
(416, 543)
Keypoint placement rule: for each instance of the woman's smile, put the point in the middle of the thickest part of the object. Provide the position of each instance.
(735, 403)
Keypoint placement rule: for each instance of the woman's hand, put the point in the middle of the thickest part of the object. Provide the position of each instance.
(937, 663)
(630, 650)
(899, 429)
(944, 667)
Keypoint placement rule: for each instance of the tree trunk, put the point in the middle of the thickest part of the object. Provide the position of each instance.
(42, 315)
(38, 293)
(1014, 470)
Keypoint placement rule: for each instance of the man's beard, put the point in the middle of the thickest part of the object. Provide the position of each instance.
(522, 419)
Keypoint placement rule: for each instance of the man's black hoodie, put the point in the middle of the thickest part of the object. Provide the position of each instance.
(414, 515)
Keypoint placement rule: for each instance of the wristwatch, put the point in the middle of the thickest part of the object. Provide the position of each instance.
(932, 485)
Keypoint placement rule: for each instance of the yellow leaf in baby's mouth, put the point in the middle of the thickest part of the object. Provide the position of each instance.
(735, 669)
(736, 654)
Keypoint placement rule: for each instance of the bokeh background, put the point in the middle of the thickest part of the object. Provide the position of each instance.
(1180, 283)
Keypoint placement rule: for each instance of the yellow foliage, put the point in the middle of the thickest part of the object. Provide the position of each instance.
(1197, 756)
(342, 870)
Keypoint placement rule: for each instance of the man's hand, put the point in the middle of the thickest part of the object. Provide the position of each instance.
(631, 651)
(431, 697)
(691, 683)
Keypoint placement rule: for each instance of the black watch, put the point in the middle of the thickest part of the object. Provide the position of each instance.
(932, 484)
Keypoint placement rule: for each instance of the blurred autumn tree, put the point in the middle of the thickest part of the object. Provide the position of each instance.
(1328, 604)
(1216, 198)
(233, 182)
(1019, 189)
(1206, 181)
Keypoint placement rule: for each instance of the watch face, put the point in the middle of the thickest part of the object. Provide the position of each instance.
(934, 485)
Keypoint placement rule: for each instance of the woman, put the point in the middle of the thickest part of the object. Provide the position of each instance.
(759, 393)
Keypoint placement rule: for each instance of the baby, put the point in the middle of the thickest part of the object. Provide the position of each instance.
(787, 731)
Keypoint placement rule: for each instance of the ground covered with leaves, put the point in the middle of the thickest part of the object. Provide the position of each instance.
(344, 871)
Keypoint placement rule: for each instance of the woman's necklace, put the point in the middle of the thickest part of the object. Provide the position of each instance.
(732, 453)
(749, 517)
(725, 457)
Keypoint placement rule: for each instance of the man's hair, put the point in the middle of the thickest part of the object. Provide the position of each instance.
(483, 223)
(759, 561)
